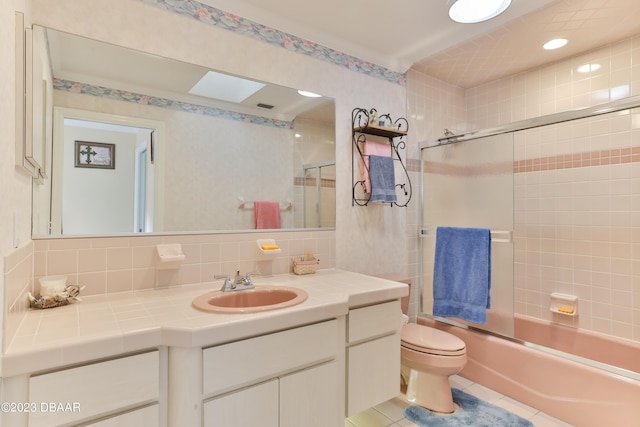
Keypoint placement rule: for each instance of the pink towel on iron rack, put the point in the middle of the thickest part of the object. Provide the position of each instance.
(266, 214)
(372, 148)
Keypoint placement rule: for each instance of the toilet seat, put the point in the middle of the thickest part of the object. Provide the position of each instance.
(425, 339)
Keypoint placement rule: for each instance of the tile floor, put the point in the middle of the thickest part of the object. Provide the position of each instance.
(391, 413)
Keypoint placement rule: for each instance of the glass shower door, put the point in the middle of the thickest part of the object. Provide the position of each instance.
(470, 184)
(319, 197)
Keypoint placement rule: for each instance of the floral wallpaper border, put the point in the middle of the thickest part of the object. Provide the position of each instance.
(219, 18)
(136, 98)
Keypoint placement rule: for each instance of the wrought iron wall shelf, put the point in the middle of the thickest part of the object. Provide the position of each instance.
(367, 122)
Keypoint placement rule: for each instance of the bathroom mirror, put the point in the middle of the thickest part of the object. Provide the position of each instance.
(143, 143)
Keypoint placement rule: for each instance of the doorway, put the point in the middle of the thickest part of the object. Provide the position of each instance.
(117, 197)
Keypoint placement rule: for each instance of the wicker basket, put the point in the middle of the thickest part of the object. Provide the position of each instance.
(305, 267)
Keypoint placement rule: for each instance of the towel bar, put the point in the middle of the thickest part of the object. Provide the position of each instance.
(497, 236)
(242, 204)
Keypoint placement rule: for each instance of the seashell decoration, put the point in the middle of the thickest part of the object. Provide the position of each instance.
(69, 294)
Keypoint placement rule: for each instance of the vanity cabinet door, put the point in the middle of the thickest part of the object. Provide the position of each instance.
(373, 373)
(252, 406)
(373, 355)
(144, 417)
(310, 398)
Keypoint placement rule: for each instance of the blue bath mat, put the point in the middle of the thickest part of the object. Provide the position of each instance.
(473, 412)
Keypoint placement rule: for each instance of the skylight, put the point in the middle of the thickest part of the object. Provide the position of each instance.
(225, 87)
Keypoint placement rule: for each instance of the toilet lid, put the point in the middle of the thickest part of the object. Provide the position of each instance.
(430, 340)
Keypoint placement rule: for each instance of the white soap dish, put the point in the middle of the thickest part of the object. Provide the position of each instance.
(564, 304)
(268, 246)
(170, 255)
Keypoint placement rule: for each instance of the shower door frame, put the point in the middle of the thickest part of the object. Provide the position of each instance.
(318, 166)
(550, 119)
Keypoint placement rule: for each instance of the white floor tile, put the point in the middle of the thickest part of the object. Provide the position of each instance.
(543, 420)
(515, 407)
(405, 423)
(391, 413)
(393, 409)
(370, 418)
(483, 393)
(456, 381)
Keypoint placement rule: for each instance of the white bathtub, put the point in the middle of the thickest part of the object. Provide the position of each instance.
(571, 391)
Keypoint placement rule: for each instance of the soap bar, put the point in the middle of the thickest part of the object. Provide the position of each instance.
(270, 247)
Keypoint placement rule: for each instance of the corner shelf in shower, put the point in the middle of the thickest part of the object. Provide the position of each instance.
(394, 131)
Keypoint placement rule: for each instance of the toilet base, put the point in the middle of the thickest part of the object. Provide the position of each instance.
(430, 391)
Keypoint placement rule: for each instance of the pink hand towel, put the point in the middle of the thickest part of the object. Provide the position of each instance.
(372, 148)
(266, 214)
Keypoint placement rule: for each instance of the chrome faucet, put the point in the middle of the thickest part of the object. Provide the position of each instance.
(228, 285)
(239, 283)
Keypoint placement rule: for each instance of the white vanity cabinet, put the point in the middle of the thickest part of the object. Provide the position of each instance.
(147, 416)
(373, 355)
(254, 406)
(123, 392)
(283, 379)
(307, 397)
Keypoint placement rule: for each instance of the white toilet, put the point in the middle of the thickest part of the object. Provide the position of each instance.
(429, 357)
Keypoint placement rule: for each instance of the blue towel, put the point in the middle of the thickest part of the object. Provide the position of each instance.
(462, 273)
(383, 179)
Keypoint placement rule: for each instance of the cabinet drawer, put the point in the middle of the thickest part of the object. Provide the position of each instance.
(92, 390)
(234, 365)
(374, 320)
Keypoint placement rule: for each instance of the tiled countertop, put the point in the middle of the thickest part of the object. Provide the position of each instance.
(114, 324)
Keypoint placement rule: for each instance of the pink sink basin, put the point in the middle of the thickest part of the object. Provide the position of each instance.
(262, 298)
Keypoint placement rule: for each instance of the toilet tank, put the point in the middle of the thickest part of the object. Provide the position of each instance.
(398, 277)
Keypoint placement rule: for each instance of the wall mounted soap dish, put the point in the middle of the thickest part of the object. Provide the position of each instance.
(169, 256)
(268, 246)
(564, 304)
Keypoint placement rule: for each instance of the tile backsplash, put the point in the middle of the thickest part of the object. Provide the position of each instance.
(120, 264)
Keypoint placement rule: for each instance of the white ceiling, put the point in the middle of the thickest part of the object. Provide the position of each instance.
(418, 34)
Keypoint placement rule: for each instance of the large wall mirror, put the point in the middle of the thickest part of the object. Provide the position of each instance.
(146, 144)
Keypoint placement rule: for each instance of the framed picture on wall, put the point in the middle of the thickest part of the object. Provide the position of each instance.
(95, 155)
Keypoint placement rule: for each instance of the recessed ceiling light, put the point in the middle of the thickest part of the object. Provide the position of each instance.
(554, 44)
(472, 11)
(309, 94)
(225, 87)
(587, 68)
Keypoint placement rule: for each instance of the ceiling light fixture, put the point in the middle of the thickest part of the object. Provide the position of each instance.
(554, 44)
(472, 11)
(587, 68)
(309, 94)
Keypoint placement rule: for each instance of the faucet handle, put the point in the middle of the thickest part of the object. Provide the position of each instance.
(228, 284)
(246, 281)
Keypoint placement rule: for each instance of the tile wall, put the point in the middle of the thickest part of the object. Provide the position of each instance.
(18, 277)
(577, 226)
(577, 190)
(432, 106)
